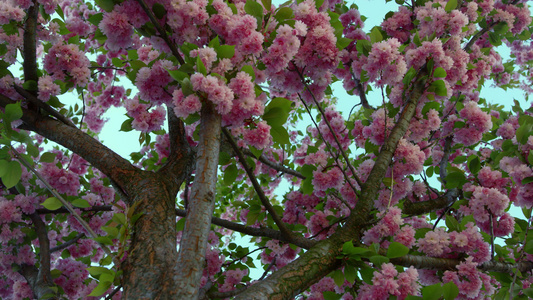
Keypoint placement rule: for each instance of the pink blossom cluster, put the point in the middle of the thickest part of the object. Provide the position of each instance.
(385, 65)
(283, 254)
(492, 179)
(327, 178)
(297, 205)
(239, 30)
(408, 159)
(67, 62)
(64, 181)
(232, 278)
(507, 130)
(152, 82)
(517, 17)
(477, 122)
(487, 203)
(388, 282)
(390, 225)
(144, 119)
(73, 274)
(258, 137)
(379, 128)
(187, 20)
(284, 47)
(421, 126)
(518, 172)
(439, 243)
(47, 88)
(10, 12)
(117, 29)
(399, 24)
(336, 131)
(245, 104)
(215, 90)
(417, 57)
(472, 283)
(434, 19)
(207, 55)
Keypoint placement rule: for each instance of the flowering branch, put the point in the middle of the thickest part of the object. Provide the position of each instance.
(266, 203)
(66, 244)
(65, 203)
(424, 207)
(436, 263)
(162, 32)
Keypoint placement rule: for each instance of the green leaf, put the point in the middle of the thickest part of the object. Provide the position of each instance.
(277, 111)
(343, 42)
(12, 174)
(159, 10)
(256, 152)
(230, 174)
(250, 70)
(338, 277)
(375, 35)
(455, 180)
(439, 88)
(106, 5)
(279, 135)
(225, 51)
(81, 203)
(267, 4)
(494, 39)
(255, 9)
(397, 250)
(52, 203)
(450, 290)
(48, 157)
(96, 19)
(3, 167)
(283, 14)
(350, 273)
(178, 75)
(474, 164)
(200, 67)
(523, 133)
(96, 271)
(378, 260)
(126, 125)
(432, 292)
(331, 295)
(119, 218)
(104, 240)
(214, 42)
(12, 112)
(529, 247)
(452, 223)
(409, 76)
(101, 288)
(439, 72)
(451, 5)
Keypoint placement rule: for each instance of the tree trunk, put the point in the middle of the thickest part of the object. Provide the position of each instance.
(191, 261)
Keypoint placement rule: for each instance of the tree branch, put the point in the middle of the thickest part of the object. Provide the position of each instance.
(254, 231)
(285, 231)
(66, 244)
(99, 156)
(424, 207)
(40, 104)
(30, 44)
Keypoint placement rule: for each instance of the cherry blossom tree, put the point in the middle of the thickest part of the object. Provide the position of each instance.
(249, 180)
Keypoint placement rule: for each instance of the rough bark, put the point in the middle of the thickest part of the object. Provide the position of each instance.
(148, 266)
(191, 260)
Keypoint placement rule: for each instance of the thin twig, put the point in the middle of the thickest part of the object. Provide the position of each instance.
(333, 133)
(273, 165)
(266, 203)
(66, 244)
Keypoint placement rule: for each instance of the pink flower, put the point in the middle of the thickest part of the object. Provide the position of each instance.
(259, 137)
